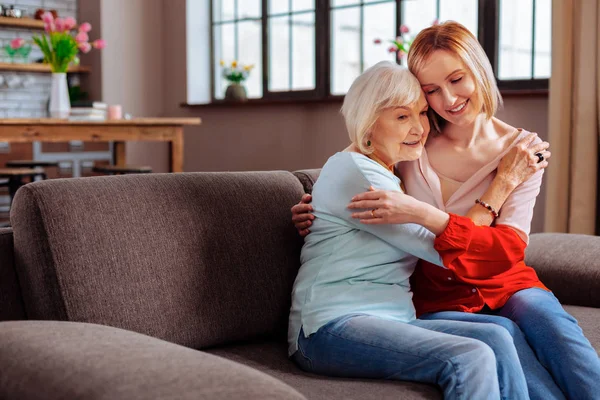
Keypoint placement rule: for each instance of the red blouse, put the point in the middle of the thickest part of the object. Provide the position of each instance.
(485, 266)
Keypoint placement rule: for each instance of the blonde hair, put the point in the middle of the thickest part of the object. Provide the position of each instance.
(456, 39)
(381, 86)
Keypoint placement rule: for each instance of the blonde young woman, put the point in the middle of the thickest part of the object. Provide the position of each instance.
(352, 314)
(457, 168)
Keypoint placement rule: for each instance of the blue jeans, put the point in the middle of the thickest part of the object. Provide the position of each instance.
(467, 360)
(556, 339)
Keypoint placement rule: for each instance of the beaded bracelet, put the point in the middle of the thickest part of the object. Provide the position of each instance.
(494, 213)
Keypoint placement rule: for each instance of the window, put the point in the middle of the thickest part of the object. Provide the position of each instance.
(315, 48)
(237, 35)
(524, 62)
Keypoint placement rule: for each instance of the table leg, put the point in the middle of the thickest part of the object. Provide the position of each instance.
(119, 154)
(176, 151)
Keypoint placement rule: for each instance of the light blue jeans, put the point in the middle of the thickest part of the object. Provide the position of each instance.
(557, 341)
(467, 360)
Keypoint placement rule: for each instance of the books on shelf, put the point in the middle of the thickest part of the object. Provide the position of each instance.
(88, 111)
(89, 104)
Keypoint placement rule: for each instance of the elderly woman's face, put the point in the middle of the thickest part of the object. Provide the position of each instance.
(400, 132)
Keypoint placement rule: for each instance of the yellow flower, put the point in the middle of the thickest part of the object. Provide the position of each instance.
(222, 63)
(248, 67)
(234, 64)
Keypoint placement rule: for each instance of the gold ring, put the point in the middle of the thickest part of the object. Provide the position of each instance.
(373, 213)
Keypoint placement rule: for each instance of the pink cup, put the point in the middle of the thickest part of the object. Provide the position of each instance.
(115, 112)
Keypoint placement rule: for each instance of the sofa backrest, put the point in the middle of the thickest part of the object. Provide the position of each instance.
(308, 177)
(11, 303)
(197, 259)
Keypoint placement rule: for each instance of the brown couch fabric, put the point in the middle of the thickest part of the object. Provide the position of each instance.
(11, 302)
(197, 259)
(307, 177)
(66, 360)
(569, 265)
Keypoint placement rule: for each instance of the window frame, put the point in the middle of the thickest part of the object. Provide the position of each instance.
(488, 35)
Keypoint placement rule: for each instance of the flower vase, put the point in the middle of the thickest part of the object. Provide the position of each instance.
(60, 105)
(236, 92)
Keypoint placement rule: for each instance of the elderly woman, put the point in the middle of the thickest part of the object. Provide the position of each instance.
(352, 313)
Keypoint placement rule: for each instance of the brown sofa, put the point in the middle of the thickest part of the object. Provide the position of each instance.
(177, 286)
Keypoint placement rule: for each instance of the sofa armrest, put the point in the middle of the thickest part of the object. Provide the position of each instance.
(569, 265)
(69, 360)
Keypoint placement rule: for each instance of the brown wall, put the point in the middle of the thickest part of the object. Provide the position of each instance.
(148, 76)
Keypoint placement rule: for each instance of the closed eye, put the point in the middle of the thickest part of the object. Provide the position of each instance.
(432, 91)
(456, 80)
(424, 112)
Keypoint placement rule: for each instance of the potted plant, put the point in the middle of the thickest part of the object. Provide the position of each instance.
(402, 43)
(235, 74)
(60, 46)
(19, 47)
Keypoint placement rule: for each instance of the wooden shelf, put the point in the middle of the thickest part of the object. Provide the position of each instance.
(24, 23)
(37, 68)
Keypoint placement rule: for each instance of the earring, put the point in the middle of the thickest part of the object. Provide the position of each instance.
(368, 143)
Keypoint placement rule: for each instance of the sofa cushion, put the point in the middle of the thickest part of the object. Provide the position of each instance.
(271, 358)
(11, 303)
(568, 264)
(65, 360)
(589, 321)
(196, 258)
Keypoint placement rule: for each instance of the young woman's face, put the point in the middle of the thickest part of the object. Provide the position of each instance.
(400, 132)
(450, 88)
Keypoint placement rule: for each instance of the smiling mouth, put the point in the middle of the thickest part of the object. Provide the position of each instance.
(459, 108)
(412, 143)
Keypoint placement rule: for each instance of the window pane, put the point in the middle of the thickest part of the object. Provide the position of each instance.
(249, 9)
(303, 52)
(514, 59)
(418, 15)
(224, 46)
(279, 6)
(345, 51)
(379, 23)
(463, 11)
(250, 53)
(543, 38)
(303, 5)
(337, 3)
(223, 10)
(279, 53)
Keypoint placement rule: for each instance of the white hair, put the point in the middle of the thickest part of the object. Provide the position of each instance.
(381, 86)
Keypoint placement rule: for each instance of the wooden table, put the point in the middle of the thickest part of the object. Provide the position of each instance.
(119, 131)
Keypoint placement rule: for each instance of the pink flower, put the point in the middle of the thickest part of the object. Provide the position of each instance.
(59, 24)
(392, 49)
(377, 41)
(49, 27)
(17, 43)
(85, 47)
(435, 22)
(85, 27)
(399, 39)
(47, 17)
(404, 29)
(99, 44)
(69, 23)
(82, 37)
(402, 54)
